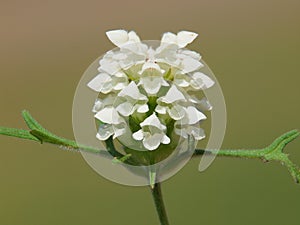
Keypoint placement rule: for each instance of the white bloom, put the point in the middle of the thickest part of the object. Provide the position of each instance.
(182, 39)
(105, 83)
(187, 62)
(171, 51)
(122, 37)
(152, 84)
(202, 104)
(187, 130)
(113, 123)
(169, 75)
(151, 65)
(102, 103)
(189, 124)
(197, 81)
(152, 133)
(170, 103)
(201, 81)
(132, 100)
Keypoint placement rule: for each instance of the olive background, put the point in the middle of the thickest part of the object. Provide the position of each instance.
(253, 47)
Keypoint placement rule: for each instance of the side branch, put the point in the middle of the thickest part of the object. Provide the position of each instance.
(274, 152)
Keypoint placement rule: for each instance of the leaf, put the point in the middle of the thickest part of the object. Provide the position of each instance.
(19, 133)
(30, 121)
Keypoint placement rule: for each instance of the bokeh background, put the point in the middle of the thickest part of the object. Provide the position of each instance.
(253, 47)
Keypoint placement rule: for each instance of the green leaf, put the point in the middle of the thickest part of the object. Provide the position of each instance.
(30, 121)
(19, 133)
(39, 133)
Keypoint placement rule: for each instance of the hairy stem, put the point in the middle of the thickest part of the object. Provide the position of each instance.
(159, 204)
(273, 152)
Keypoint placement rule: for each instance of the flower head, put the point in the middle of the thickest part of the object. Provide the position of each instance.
(150, 91)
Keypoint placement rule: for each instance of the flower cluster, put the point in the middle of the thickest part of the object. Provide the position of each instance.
(149, 91)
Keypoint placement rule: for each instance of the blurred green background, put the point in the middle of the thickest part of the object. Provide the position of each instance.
(253, 47)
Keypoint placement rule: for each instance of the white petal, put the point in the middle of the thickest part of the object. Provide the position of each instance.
(119, 132)
(194, 115)
(133, 37)
(97, 106)
(104, 132)
(176, 112)
(98, 82)
(108, 115)
(151, 142)
(190, 53)
(169, 38)
(166, 52)
(153, 121)
(185, 37)
(120, 86)
(109, 66)
(205, 104)
(132, 91)
(164, 82)
(151, 84)
(181, 132)
(166, 140)
(118, 37)
(202, 105)
(189, 65)
(143, 108)
(161, 109)
(119, 56)
(139, 135)
(181, 82)
(202, 81)
(151, 65)
(173, 95)
(125, 108)
(120, 75)
(107, 87)
(198, 133)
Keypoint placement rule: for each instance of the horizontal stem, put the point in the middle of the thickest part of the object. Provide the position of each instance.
(273, 152)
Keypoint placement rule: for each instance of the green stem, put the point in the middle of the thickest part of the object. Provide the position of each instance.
(273, 152)
(159, 204)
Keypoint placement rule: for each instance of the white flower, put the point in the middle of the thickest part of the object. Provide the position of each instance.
(106, 83)
(113, 123)
(137, 80)
(188, 125)
(152, 133)
(202, 104)
(188, 62)
(171, 51)
(152, 84)
(187, 130)
(201, 81)
(170, 103)
(197, 81)
(182, 39)
(102, 103)
(122, 37)
(132, 100)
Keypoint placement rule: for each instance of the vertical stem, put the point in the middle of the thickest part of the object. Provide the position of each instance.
(159, 204)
